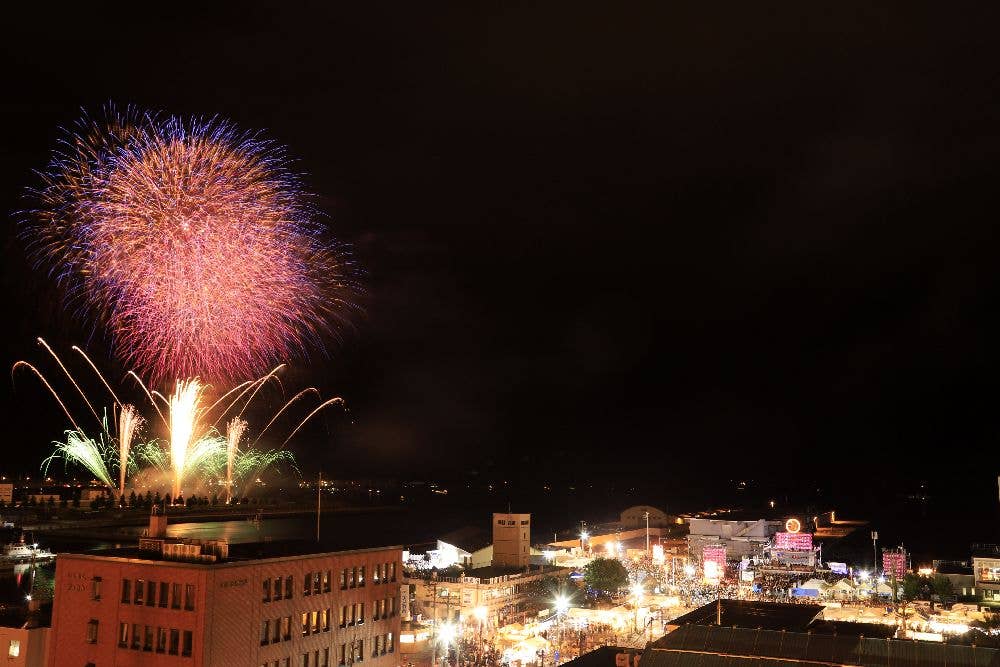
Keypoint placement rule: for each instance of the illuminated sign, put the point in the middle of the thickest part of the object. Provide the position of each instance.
(658, 556)
(894, 563)
(714, 562)
(838, 568)
(793, 541)
(793, 525)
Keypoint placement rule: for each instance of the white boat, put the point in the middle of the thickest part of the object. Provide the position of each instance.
(22, 552)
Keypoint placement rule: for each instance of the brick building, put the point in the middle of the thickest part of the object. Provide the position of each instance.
(275, 604)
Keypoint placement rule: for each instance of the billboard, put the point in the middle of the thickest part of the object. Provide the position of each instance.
(838, 568)
(793, 541)
(894, 563)
(714, 561)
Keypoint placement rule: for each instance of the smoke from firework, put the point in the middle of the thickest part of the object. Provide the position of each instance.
(192, 242)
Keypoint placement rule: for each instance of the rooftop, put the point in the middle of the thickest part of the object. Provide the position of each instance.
(752, 614)
(713, 646)
(238, 553)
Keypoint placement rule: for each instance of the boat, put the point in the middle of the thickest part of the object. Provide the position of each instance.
(22, 552)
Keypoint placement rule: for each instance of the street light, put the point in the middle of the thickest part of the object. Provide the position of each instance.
(446, 635)
(637, 592)
(480, 614)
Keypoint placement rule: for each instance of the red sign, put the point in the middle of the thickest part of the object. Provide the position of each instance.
(716, 555)
(894, 563)
(793, 541)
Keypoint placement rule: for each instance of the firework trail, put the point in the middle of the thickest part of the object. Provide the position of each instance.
(234, 431)
(93, 455)
(128, 423)
(185, 416)
(192, 242)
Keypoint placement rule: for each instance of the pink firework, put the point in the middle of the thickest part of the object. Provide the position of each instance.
(192, 242)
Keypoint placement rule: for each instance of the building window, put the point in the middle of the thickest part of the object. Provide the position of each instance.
(286, 628)
(317, 584)
(277, 588)
(305, 623)
(277, 632)
(391, 641)
(123, 635)
(189, 597)
(392, 611)
(288, 587)
(95, 588)
(305, 660)
(361, 577)
(151, 594)
(326, 619)
(14, 650)
(343, 617)
(126, 591)
(307, 584)
(392, 567)
(377, 573)
(136, 636)
(140, 588)
(187, 645)
(265, 632)
(354, 577)
(342, 655)
(326, 657)
(361, 613)
(175, 640)
(267, 590)
(175, 596)
(161, 640)
(314, 617)
(326, 581)
(343, 580)
(147, 638)
(164, 593)
(92, 631)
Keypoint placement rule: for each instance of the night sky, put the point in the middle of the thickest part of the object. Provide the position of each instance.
(651, 242)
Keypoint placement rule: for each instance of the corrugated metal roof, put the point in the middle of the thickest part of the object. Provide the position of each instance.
(714, 646)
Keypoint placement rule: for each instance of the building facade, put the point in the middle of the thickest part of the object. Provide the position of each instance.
(740, 538)
(986, 569)
(494, 596)
(270, 605)
(511, 540)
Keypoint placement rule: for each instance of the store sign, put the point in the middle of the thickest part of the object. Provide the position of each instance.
(793, 541)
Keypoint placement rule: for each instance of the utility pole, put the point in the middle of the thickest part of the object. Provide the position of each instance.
(434, 599)
(647, 532)
(875, 551)
(319, 501)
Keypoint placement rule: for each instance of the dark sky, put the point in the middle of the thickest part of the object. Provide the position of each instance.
(748, 240)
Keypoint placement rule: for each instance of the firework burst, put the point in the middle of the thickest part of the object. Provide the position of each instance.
(192, 242)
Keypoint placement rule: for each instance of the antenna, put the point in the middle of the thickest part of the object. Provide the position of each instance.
(319, 501)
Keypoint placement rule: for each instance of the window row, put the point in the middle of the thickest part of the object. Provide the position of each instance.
(351, 653)
(383, 644)
(314, 622)
(318, 658)
(384, 608)
(145, 592)
(318, 582)
(167, 640)
(384, 573)
(280, 589)
(276, 630)
(352, 614)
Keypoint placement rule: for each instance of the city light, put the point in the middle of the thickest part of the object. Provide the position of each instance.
(689, 570)
(480, 613)
(637, 592)
(584, 535)
(447, 633)
(562, 604)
